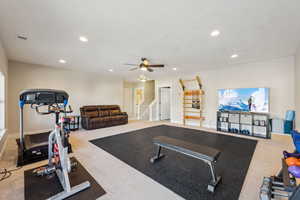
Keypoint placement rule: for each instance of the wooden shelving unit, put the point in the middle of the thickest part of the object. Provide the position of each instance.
(192, 100)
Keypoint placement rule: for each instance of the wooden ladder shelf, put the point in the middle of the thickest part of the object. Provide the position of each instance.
(192, 101)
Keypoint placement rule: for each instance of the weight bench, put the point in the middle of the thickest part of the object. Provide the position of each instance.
(206, 154)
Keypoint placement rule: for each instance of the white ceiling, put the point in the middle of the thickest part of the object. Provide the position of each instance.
(172, 32)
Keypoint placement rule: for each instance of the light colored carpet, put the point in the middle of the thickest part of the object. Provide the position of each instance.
(121, 181)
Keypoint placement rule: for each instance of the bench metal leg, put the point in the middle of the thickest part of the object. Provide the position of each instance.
(215, 179)
(158, 155)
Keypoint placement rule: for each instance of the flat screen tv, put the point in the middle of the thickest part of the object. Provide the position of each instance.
(244, 99)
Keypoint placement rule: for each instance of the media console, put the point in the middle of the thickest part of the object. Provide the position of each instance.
(244, 123)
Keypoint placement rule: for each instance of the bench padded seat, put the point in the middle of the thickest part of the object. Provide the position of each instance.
(199, 151)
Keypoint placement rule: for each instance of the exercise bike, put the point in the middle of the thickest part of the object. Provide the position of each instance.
(59, 162)
(34, 147)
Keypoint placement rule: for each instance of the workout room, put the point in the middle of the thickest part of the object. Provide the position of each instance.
(164, 100)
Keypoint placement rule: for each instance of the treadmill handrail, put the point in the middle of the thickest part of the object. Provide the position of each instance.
(56, 110)
(51, 96)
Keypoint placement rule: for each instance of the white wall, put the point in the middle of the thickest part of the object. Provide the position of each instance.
(297, 87)
(87, 88)
(278, 75)
(83, 89)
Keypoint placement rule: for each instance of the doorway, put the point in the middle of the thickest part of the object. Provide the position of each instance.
(138, 100)
(128, 102)
(133, 98)
(165, 103)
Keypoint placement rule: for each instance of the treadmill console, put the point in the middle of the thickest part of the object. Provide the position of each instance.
(43, 96)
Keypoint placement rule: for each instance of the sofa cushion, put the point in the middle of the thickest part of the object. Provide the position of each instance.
(97, 119)
(92, 113)
(90, 108)
(104, 113)
(119, 117)
(108, 118)
(101, 119)
(115, 112)
(109, 107)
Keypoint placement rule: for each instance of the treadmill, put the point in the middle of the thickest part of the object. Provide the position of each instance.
(34, 147)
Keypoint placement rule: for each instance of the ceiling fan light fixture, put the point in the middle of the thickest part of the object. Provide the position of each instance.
(142, 78)
(145, 66)
(146, 62)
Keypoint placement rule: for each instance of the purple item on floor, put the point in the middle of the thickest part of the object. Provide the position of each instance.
(287, 154)
(295, 171)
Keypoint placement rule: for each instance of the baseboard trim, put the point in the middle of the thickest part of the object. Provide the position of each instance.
(282, 134)
(176, 122)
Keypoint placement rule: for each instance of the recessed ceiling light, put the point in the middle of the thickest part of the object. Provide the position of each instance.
(83, 39)
(174, 68)
(215, 33)
(62, 61)
(110, 70)
(234, 56)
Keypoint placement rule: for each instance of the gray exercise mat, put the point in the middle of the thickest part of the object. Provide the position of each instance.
(41, 188)
(184, 175)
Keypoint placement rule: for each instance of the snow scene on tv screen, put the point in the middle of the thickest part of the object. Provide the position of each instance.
(244, 99)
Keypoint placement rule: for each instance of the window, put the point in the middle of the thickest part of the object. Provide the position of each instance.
(2, 102)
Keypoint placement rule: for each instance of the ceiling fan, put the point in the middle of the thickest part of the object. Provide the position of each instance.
(145, 65)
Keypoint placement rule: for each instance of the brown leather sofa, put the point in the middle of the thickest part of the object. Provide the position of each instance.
(99, 116)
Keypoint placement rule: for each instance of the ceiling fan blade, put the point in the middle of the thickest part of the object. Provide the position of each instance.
(156, 65)
(134, 69)
(149, 69)
(131, 64)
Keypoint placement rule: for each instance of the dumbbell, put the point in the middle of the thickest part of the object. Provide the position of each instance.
(292, 161)
(266, 189)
